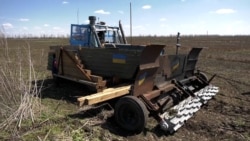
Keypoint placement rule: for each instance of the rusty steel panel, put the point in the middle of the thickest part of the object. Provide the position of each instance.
(149, 64)
(191, 61)
(177, 66)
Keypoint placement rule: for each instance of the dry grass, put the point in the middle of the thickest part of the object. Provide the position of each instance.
(19, 88)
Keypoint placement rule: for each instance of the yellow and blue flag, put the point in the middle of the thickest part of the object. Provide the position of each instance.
(119, 58)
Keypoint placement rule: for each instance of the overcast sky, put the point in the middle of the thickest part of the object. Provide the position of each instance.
(150, 17)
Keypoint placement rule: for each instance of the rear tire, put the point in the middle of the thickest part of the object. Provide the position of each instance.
(131, 114)
(203, 76)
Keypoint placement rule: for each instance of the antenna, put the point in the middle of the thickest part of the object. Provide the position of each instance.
(130, 24)
(78, 16)
(178, 43)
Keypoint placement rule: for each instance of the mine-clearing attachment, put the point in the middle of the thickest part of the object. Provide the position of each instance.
(170, 101)
(173, 119)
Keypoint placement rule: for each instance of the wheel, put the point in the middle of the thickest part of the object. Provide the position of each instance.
(203, 76)
(131, 114)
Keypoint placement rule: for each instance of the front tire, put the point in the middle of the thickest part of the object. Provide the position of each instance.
(131, 114)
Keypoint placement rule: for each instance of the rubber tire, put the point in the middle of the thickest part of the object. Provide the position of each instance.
(131, 114)
(203, 76)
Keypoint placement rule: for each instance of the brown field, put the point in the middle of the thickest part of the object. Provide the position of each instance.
(226, 117)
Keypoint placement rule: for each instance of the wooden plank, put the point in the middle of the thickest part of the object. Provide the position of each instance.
(107, 94)
(88, 72)
(96, 78)
(101, 86)
(77, 65)
(92, 84)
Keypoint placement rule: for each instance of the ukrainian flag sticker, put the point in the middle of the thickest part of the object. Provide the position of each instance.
(176, 65)
(119, 58)
(142, 78)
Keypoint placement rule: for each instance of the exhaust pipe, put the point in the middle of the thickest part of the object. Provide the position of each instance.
(92, 20)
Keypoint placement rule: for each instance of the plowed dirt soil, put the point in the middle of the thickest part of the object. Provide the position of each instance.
(225, 117)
